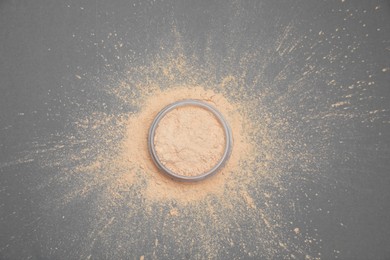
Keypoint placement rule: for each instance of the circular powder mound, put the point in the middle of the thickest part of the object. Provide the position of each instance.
(189, 140)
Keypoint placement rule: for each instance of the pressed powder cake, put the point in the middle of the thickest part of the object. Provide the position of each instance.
(189, 141)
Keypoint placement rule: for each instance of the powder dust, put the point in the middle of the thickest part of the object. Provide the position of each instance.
(189, 141)
(102, 197)
(135, 152)
(106, 167)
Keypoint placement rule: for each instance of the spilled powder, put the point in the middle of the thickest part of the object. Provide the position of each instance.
(189, 141)
(135, 155)
(244, 208)
(105, 184)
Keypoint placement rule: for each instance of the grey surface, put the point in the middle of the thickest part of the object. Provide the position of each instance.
(45, 44)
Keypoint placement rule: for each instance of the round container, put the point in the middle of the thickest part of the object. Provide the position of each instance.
(218, 116)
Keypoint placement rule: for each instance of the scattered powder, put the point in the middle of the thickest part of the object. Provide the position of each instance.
(249, 200)
(135, 155)
(105, 165)
(101, 178)
(189, 140)
(339, 104)
(174, 212)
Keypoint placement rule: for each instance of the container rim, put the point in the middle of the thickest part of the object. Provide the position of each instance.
(219, 117)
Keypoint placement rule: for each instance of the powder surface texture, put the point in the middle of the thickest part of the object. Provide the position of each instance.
(189, 140)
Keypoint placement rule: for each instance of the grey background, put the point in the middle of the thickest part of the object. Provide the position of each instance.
(44, 44)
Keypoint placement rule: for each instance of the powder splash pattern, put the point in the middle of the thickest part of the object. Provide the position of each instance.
(240, 201)
(282, 141)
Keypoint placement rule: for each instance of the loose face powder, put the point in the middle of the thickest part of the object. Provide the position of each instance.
(190, 139)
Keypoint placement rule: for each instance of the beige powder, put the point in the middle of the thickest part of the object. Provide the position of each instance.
(128, 190)
(189, 141)
(134, 153)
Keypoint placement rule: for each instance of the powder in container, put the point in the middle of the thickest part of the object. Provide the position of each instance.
(189, 140)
